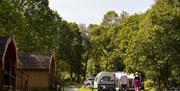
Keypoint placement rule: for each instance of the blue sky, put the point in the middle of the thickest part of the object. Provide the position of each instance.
(92, 11)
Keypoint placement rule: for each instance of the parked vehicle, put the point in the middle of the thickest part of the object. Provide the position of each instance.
(104, 81)
(111, 81)
(121, 78)
(89, 82)
(128, 77)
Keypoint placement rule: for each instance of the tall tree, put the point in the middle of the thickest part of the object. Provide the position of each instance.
(155, 49)
(11, 19)
(110, 18)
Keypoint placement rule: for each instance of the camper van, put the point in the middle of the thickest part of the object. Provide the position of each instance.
(121, 77)
(130, 79)
(104, 81)
(111, 81)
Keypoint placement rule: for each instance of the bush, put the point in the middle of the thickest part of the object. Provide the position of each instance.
(148, 84)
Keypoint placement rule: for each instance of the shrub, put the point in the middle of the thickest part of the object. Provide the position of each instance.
(148, 84)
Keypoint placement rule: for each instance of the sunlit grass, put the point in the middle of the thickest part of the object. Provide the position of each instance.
(86, 89)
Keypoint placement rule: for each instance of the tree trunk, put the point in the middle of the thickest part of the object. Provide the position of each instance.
(164, 74)
(71, 75)
(107, 64)
(85, 68)
(78, 77)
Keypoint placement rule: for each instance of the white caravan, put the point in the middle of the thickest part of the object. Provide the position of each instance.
(110, 81)
(118, 80)
(104, 77)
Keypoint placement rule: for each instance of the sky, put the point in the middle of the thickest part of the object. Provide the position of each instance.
(92, 11)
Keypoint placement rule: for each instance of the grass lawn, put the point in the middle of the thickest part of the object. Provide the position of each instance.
(150, 89)
(86, 89)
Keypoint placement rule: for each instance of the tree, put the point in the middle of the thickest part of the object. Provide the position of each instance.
(123, 15)
(104, 40)
(11, 18)
(110, 18)
(154, 49)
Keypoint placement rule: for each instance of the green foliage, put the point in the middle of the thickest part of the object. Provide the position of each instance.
(10, 18)
(148, 84)
(110, 18)
(39, 29)
(147, 43)
(104, 44)
(155, 47)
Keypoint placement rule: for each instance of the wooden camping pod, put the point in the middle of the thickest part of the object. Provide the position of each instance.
(41, 69)
(8, 63)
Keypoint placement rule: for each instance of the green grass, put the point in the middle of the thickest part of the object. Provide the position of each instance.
(150, 89)
(86, 89)
(67, 83)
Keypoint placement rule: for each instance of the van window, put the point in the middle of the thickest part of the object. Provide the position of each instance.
(105, 78)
